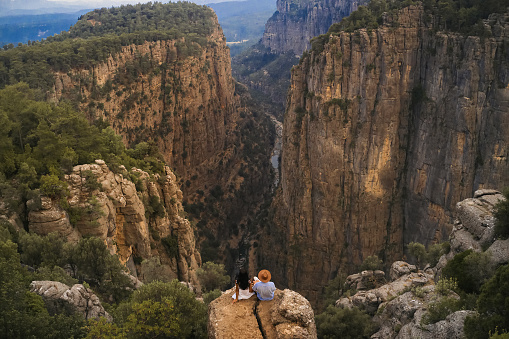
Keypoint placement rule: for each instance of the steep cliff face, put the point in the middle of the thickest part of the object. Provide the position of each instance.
(136, 221)
(174, 92)
(385, 131)
(265, 67)
(296, 22)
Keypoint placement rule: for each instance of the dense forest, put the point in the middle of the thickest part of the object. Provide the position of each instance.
(102, 33)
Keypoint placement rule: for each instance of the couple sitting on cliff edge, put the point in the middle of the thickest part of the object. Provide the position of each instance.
(245, 288)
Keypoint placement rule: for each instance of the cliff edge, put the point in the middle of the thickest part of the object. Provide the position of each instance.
(288, 315)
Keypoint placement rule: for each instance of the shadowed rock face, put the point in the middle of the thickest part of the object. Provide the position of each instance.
(296, 22)
(384, 133)
(288, 315)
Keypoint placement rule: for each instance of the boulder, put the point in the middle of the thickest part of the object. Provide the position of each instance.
(400, 268)
(79, 298)
(476, 214)
(499, 252)
(450, 328)
(365, 280)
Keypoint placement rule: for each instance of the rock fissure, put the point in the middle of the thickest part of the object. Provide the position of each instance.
(258, 319)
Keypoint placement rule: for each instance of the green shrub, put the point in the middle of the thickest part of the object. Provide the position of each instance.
(427, 256)
(210, 296)
(212, 276)
(492, 305)
(170, 244)
(188, 316)
(497, 335)
(155, 207)
(91, 182)
(470, 269)
(334, 289)
(445, 285)
(53, 187)
(371, 263)
(501, 214)
(344, 323)
(440, 309)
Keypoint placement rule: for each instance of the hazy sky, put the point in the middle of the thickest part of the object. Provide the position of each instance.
(33, 4)
(106, 3)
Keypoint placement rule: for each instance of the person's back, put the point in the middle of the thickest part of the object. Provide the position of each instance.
(264, 288)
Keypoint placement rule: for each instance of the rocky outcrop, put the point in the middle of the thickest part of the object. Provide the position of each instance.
(296, 22)
(110, 206)
(402, 318)
(79, 298)
(474, 229)
(288, 315)
(401, 307)
(369, 299)
(385, 131)
(449, 328)
(365, 280)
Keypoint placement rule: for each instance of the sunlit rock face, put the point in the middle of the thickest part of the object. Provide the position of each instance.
(385, 131)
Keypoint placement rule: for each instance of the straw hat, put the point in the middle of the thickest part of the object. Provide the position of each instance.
(264, 276)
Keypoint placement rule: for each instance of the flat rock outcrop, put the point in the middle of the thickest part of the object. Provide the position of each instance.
(81, 299)
(288, 315)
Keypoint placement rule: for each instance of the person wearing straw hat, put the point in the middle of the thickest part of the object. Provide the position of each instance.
(263, 287)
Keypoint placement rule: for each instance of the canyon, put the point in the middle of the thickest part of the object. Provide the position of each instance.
(295, 23)
(265, 67)
(385, 131)
(190, 108)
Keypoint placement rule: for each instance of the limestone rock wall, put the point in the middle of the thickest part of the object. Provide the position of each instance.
(296, 22)
(384, 133)
(116, 211)
(163, 92)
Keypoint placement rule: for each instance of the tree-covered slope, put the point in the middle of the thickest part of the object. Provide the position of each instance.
(463, 16)
(102, 33)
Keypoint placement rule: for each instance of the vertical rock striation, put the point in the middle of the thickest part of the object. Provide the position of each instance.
(296, 22)
(182, 97)
(385, 131)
